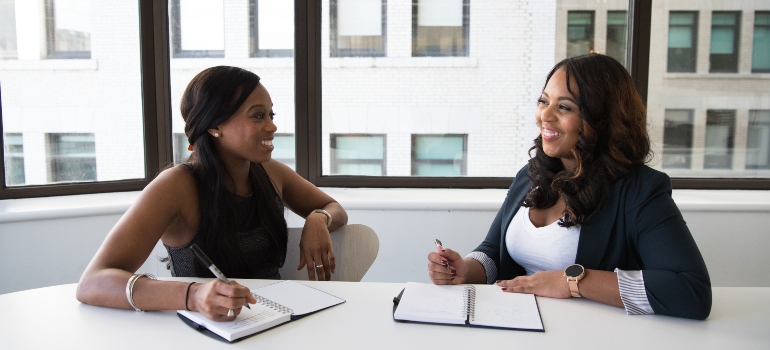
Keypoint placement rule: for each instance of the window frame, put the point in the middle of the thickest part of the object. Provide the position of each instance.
(736, 28)
(175, 32)
(753, 39)
(50, 37)
(693, 36)
(466, 30)
(156, 107)
(417, 161)
(254, 50)
(591, 27)
(335, 162)
(335, 51)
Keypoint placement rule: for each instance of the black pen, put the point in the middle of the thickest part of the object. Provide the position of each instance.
(440, 248)
(208, 263)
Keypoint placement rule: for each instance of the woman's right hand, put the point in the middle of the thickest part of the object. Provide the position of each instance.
(216, 298)
(438, 271)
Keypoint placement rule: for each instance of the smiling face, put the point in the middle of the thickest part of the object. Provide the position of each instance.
(248, 134)
(558, 116)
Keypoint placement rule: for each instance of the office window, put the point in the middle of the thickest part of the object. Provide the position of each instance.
(14, 159)
(285, 150)
(358, 155)
(720, 134)
(760, 56)
(197, 28)
(580, 33)
(758, 140)
(617, 28)
(272, 28)
(71, 157)
(677, 139)
(181, 148)
(725, 42)
(682, 41)
(8, 30)
(439, 155)
(440, 27)
(358, 27)
(68, 28)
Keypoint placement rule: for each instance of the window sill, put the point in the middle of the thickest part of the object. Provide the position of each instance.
(49, 64)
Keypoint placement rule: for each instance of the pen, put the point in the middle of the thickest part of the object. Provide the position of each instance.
(440, 248)
(208, 263)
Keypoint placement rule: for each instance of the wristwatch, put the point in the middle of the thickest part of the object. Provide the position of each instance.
(574, 273)
(328, 216)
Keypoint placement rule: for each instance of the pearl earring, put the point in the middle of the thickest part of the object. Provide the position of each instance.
(216, 134)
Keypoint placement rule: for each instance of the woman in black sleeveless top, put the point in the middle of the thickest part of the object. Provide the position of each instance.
(228, 199)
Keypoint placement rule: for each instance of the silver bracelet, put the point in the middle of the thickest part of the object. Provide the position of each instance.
(130, 288)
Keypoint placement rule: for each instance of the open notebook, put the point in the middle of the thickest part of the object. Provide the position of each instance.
(471, 305)
(277, 303)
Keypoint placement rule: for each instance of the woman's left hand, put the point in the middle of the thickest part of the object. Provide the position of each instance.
(551, 284)
(315, 249)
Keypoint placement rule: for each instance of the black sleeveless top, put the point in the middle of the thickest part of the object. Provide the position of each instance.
(256, 247)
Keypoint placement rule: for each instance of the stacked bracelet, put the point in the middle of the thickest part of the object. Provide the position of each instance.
(130, 288)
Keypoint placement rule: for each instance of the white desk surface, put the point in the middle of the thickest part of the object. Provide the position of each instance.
(51, 317)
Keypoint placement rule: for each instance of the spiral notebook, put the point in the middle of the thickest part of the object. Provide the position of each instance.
(277, 303)
(469, 305)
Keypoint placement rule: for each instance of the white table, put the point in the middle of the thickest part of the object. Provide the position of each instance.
(51, 317)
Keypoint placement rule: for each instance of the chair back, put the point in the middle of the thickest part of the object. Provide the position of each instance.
(355, 248)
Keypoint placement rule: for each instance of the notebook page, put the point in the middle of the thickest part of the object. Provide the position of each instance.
(495, 308)
(298, 297)
(431, 303)
(249, 321)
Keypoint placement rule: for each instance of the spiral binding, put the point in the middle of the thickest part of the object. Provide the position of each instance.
(469, 309)
(271, 304)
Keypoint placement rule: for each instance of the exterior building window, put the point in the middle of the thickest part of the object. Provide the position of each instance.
(760, 56)
(272, 28)
(440, 27)
(197, 28)
(682, 41)
(181, 151)
(758, 140)
(71, 157)
(677, 139)
(358, 154)
(725, 42)
(285, 150)
(8, 49)
(580, 33)
(439, 155)
(68, 28)
(14, 159)
(358, 28)
(720, 133)
(617, 27)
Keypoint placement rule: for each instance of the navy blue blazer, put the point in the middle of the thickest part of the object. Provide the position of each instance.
(638, 228)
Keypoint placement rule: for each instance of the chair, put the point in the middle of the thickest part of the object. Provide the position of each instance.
(355, 248)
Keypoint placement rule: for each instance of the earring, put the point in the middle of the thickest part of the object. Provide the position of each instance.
(216, 134)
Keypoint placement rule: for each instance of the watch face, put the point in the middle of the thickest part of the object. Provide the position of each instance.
(574, 271)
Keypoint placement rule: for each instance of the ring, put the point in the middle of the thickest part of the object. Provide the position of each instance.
(230, 313)
(319, 266)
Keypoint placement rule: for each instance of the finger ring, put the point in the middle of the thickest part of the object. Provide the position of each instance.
(319, 266)
(230, 313)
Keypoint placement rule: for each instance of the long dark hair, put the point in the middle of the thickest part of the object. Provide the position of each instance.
(613, 140)
(210, 98)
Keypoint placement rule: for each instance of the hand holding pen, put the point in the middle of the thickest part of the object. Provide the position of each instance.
(204, 259)
(439, 268)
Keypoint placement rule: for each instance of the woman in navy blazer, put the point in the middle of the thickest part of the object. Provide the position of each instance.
(588, 183)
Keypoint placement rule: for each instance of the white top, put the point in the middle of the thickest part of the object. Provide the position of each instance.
(550, 247)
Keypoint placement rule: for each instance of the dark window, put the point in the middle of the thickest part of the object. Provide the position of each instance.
(8, 48)
(677, 139)
(68, 28)
(358, 28)
(682, 41)
(617, 28)
(197, 29)
(440, 27)
(758, 140)
(14, 159)
(285, 150)
(720, 134)
(760, 56)
(71, 157)
(272, 28)
(580, 33)
(725, 42)
(358, 154)
(439, 155)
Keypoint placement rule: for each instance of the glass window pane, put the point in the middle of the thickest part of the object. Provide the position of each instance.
(358, 28)
(78, 119)
(724, 42)
(439, 155)
(617, 35)
(440, 27)
(677, 139)
(14, 159)
(760, 55)
(197, 28)
(358, 155)
(285, 150)
(580, 33)
(720, 129)
(8, 30)
(758, 141)
(682, 39)
(272, 28)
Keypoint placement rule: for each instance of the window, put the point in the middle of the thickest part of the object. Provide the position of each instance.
(181, 148)
(580, 33)
(440, 27)
(197, 28)
(725, 40)
(760, 56)
(68, 28)
(358, 155)
(720, 133)
(682, 41)
(617, 27)
(358, 27)
(439, 155)
(272, 28)
(285, 150)
(677, 139)
(8, 30)
(71, 157)
(14, 159)
(758, 140)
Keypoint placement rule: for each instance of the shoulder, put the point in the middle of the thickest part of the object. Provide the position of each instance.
(642, 186)
(280, 175)
(174, 184)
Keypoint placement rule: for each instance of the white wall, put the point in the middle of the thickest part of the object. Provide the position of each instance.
(49, 241)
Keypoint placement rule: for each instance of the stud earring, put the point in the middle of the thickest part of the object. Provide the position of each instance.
(216, 134)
